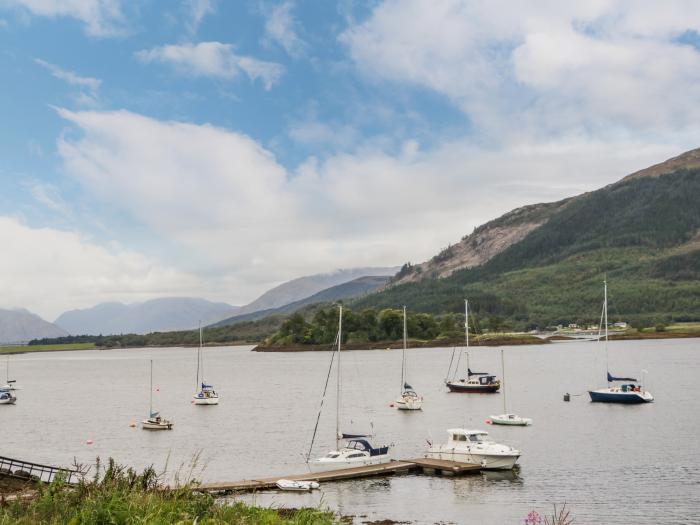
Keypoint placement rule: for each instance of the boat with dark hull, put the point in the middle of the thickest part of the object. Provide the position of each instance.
(624, 393)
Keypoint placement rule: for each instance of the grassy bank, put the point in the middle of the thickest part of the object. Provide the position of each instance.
(121, 496)
(479, 340)
(23, 349)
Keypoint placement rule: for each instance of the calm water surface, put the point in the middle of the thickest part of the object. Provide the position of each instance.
(611, 464)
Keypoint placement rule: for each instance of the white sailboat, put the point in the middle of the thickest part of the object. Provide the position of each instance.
(409, 399)
(357, 450)
(507, 418)
(155, 421)
(206, 395)
(7, 392)
(627, 392)
(10, 384)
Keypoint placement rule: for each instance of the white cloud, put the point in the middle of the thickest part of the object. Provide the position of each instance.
(50, 270)
(49, 196)
(89, 86)
(249, 222)
(196, 11)
(543, 69)
(212, 59)
(101, 17)
(280, 27)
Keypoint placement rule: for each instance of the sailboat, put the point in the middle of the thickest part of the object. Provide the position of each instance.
(206, 395)
(507, 418)
(155, 421)
(7, 392)
(357, 450)
(476, 382)
(623, 389)
(409, 399)
(10, 384)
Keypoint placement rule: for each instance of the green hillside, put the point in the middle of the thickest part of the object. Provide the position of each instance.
(641, 232)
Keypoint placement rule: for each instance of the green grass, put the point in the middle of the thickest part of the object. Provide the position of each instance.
(121, 496)
(683, 327)
(21, 349)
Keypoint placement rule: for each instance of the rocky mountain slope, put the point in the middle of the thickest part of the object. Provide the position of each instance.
(19, 326)
(642, 232)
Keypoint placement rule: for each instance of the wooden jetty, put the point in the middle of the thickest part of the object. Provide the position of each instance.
(424, 465)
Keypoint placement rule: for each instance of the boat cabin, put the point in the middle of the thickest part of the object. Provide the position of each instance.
(364, 446)
(461, 435)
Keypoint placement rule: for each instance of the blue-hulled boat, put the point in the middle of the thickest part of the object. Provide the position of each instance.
(628, 393)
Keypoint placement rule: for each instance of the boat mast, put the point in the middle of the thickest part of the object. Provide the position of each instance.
(403, 352)
(337, 400)
(150, 406)
(503, 380)
(605, 312)
(199, 357)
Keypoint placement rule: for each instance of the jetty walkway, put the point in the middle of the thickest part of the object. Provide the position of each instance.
(424, 465)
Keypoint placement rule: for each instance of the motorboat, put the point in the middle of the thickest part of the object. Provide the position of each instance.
(7, 397)
(357, 452)
(506, 418)
(626, 393)
(475, 382)
(155, 421)
(296, 486)
(475, 447)
(622, 390)
(409, 399)
(206, 395)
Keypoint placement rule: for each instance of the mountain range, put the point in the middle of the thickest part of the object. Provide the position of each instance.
(19, 326)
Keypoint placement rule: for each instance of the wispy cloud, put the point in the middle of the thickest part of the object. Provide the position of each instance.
(213, 59)
(195, 11)
(102, 18)
(281, 28)
(49, 196)
(88, 86)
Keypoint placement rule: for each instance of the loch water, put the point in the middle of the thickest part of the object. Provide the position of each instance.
(611, 464)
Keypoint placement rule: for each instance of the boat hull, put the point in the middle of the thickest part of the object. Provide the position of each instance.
(473, 389)
(8, 401)
(148, 425)
(515, 421)
(326, 464)
(626, 398)
(205, 400)
(487, 461)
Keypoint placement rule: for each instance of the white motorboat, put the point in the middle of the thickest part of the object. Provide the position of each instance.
(409, 399)
(628, 394)
(475, 447)
(7, 397)
(506, 418)
(296, 486)
(357, 450)
(155, 421)
(206, 394)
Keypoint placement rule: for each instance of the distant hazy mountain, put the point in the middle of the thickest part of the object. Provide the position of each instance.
(349, 290)
(18, 326)
(157, 315)
(303, 287)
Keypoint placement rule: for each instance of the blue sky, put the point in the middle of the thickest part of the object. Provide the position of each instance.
(213, 149)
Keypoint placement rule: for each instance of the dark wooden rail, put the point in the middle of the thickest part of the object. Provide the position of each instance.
(26, 470)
